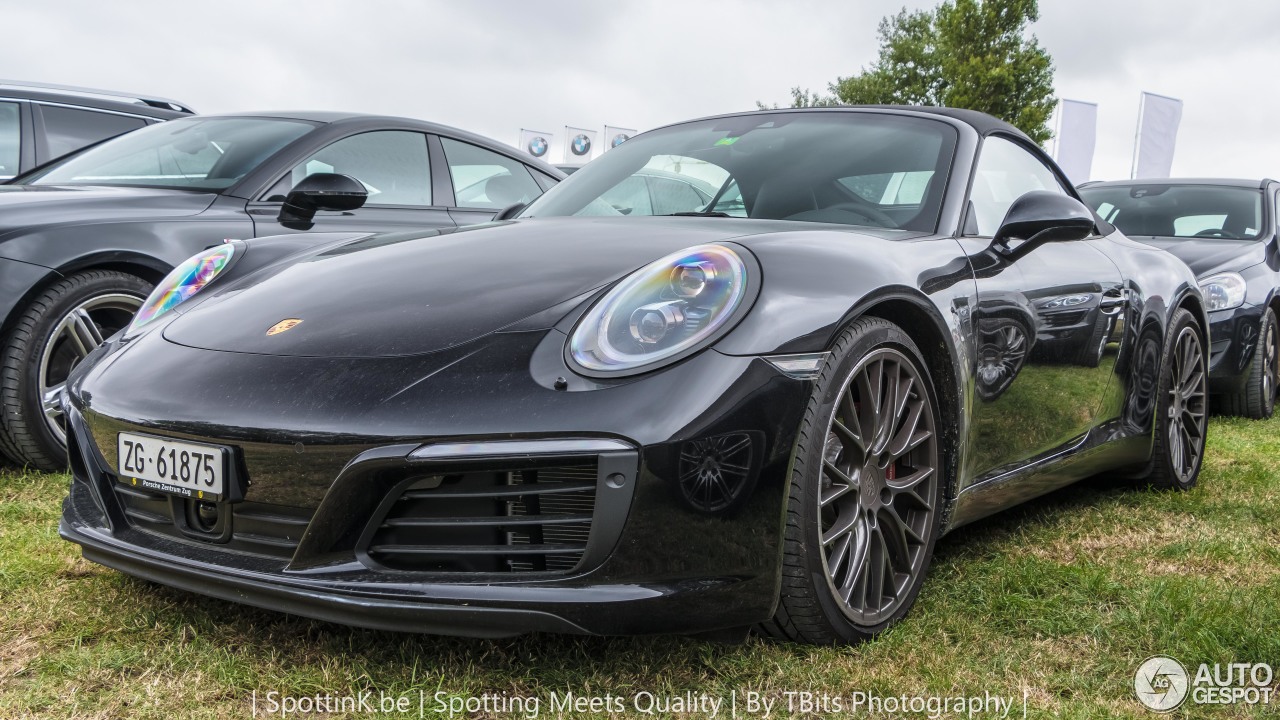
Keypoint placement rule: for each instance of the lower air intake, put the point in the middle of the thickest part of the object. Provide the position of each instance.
(509, 521)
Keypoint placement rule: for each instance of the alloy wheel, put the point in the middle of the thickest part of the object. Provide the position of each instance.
(879, 472)
(74, 336)
(1270, 357)
(1188, 408)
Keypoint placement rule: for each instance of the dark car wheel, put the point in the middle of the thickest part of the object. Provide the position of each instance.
(1003, 349)
(866, 493)
(52, 335)
(1257, 399)
(1182, 409)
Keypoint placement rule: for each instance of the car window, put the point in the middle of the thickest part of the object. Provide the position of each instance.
(1005, 173)
(630, 197)
(197, 153)
(672, 195)
(803, 167)
(899, 188)
(485, 179)
(10, 139)
(69, 129)
(392, 165)
(1186, 210)
(676, 184)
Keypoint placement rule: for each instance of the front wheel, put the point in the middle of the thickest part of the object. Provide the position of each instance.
(52, 335)
(866, 491)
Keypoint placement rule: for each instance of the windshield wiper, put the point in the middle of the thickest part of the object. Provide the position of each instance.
(695, 213)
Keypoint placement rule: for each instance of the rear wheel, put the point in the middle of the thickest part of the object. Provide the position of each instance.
(1182, 409)
(52, 335)
(1257, 399)
(866, 492)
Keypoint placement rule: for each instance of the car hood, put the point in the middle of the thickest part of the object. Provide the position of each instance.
(407, 294)
(1211, 256)
(23, 207)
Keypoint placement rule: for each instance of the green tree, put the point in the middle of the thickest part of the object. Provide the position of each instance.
(973, 54)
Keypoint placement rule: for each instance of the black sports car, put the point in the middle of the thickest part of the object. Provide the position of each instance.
(1226, 231)
(84, 239)
(585, 421)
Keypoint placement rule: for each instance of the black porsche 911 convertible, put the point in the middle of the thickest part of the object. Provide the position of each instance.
(761, 410)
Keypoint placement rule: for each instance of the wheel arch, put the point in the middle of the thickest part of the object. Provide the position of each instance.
(148, 268)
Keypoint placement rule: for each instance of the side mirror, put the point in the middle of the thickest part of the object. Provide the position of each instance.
(321, 191)
(1039, 217)
(510, 211)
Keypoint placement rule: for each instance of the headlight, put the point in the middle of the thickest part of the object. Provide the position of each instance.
(189, 278)
(664, 311)
(1223, 292)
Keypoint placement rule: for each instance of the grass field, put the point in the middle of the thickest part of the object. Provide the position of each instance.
(1060, 599)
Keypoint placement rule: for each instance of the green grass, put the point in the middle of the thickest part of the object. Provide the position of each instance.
(1061, 598)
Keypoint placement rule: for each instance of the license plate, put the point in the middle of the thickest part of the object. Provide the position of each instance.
(190, 470)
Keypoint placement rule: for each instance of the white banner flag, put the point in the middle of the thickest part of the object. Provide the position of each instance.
(615, 136)
(536, 143)
(1157, 136)
(579, 145)
(1077, 135)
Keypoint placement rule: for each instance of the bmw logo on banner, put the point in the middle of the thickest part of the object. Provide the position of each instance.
(579, 144)
(536, 143)
(617, 135)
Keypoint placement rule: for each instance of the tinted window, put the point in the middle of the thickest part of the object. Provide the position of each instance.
(198, 153)
(69, 129)
(486, 179)
(1163, 210)
(1005, 173)
(793, 166)
(10, 139)
(392, 165)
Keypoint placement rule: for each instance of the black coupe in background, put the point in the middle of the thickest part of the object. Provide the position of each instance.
(83, 240)
(763, 408)
(1226, 231)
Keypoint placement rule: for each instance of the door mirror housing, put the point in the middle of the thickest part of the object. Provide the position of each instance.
(321, 191)
(510, 211)
(1039, 217)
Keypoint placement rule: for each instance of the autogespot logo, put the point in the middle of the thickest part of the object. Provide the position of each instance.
(1161, 683)
(619, 139)
(581, 145)
(537, 146)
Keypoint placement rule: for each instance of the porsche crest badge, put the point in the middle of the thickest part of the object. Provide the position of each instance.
(284, 325)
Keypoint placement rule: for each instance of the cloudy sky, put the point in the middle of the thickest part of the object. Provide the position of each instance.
(495, 67)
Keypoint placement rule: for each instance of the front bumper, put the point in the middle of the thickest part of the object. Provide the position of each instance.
(1233, 338)
(656, 561)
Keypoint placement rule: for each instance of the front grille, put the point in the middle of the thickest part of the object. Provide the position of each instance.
(524, 520)
(259, 528)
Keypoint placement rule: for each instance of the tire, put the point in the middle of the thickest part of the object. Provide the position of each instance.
(51, 336)
(1257, 399)
(829, 592)
(1096, 347)
(1182, 408)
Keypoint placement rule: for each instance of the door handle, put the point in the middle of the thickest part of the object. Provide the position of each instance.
(1114, 300)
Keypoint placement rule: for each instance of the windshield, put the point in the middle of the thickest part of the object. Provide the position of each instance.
(866, 169)
(196, 153)
(1183, 211)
